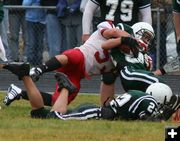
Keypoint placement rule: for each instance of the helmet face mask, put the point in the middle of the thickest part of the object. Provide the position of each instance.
(144, 32)
(145, 36)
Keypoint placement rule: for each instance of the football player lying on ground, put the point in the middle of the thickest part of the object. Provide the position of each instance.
(86, 60)
(156, 104)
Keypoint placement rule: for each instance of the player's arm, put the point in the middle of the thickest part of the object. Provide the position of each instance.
(131, 43)
(114, 33)
(87, 19)
(111, 43)
(146, 15)
(147, 117)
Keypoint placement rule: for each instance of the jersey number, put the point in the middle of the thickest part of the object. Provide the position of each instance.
(101, 60)
(151, 107)
(126, 8)
(120, 100)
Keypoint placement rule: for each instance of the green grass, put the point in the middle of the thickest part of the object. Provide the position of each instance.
(16, 125)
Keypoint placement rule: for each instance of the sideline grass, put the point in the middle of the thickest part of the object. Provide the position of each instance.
(16, 125)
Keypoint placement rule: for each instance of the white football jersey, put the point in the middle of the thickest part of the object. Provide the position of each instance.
(97, 60)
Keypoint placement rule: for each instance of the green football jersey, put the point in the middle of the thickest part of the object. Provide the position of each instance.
(120, 58)
(126, 59)
(134, 104)
(125, 11)
(134, 72)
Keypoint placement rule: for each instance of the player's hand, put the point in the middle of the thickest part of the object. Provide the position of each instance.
(35, 73)
(148, 61)
(143, 47)
(132, 43)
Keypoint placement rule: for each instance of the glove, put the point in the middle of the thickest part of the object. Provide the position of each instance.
(35, 73)
(132, 43)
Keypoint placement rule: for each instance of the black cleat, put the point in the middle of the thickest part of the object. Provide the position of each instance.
(54, 115)
(20, 69)
(64, 82)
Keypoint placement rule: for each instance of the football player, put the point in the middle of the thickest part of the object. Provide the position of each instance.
(117, 11)
(84, 61)
(153, 105)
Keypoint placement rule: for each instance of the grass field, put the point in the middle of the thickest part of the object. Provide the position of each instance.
(16, 125)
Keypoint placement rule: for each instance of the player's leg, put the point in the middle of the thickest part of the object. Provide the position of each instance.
(66, 88)
(55, 63)
(16, 93)
(35, 98)
(107, 87)
(34, 95)
(82, 112)
(87, 113)
(76, 60)
(132, 79)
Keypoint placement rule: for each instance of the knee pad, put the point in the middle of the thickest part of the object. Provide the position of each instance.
(107, 113)
(108, 78)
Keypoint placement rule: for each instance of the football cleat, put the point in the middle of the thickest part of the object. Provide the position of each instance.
(55, 115)
(64, 82)
(13, 93)
(20, 69)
